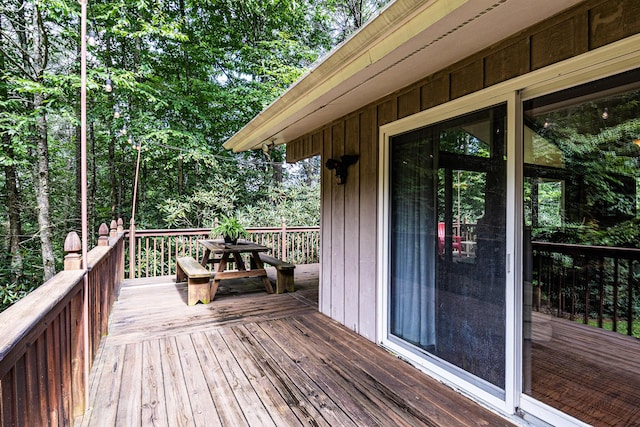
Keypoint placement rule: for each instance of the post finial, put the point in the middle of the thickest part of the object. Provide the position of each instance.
(73, 246)
(103, 231)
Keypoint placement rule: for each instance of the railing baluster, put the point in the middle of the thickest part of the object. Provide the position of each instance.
(593, 268)
(630, 299)
(615, 295)
(600, 292)
(572, 316)
(297, 244)
(585, 317)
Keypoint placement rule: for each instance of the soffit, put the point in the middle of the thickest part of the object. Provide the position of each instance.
(406, 42)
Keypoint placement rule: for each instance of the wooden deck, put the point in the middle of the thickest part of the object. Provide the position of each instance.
(250, 358)
(586, 372)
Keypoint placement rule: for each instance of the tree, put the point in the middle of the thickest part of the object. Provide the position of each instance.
(349, 15)
(186, 76)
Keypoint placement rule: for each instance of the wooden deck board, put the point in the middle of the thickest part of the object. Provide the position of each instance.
(320, 376)
(197, 388)
(276, 406)
(249, 358)
(586, 372)
(226, 406)
(175, 389)
(153, 401)
(131, 378)
(303, 398)
(402, 386)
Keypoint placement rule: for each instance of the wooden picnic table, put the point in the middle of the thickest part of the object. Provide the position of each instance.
(233, 253)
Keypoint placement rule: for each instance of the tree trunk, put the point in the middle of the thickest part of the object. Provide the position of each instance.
(39, 63)
(14, 227)
(180, 182)
(42, 197)
(13, 210)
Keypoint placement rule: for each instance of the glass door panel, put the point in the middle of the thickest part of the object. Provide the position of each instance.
(448, 245)
(582, 250)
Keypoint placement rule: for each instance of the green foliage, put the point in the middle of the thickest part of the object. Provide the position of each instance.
(622, 326)
(186, 76)
(230, 228)
(297, 205)
(12, 292)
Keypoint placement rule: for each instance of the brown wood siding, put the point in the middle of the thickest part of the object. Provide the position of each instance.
(508, 62)
(326, 188)
(337, 228)
(351, 221)
(466, 80)
(367, 225)
(612, 21)
(305, 147)
(409, 103)
(587, 26)
(561, 41)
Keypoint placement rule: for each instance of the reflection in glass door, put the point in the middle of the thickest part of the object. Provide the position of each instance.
(581, 311)
(447, 222)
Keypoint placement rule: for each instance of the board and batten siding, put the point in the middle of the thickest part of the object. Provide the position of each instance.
(349, 212)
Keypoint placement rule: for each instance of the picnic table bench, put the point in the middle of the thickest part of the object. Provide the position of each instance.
(284, 279)
(198, 279)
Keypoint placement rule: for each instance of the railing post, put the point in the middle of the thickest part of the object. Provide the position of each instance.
(79, 317)
(103, 232)
(120, 227)
(113, 229)
(283, 238)
(132, 248)
(72, 246)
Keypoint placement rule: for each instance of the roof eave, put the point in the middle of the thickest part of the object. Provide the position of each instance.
(422, 36)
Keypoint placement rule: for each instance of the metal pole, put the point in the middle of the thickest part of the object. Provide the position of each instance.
(135, 184)
(83, 190)
(132, 223)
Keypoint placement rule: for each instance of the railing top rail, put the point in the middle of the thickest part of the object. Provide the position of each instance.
(30, 316)
(574, 249)
(199, 231)
(98, 253)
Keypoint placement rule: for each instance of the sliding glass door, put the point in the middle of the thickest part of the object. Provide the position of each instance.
(447, 246)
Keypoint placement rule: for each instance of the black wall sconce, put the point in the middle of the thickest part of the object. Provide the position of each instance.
(340, 167)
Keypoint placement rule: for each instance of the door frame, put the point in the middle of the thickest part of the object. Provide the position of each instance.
(440, 370)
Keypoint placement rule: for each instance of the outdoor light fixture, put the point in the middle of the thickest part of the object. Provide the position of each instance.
(605, 114)
(107, 85)
(116, 112)
(340, 166)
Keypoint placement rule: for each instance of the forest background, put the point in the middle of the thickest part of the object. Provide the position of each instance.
(185, 76)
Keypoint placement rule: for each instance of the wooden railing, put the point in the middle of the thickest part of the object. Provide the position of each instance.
(153, 253)
(49, 338)
(586, 282)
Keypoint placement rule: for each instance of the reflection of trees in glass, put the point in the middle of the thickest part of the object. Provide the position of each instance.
(599, 143)
(468, 203)
(550, 203)
(468, 186)
(459, 141)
